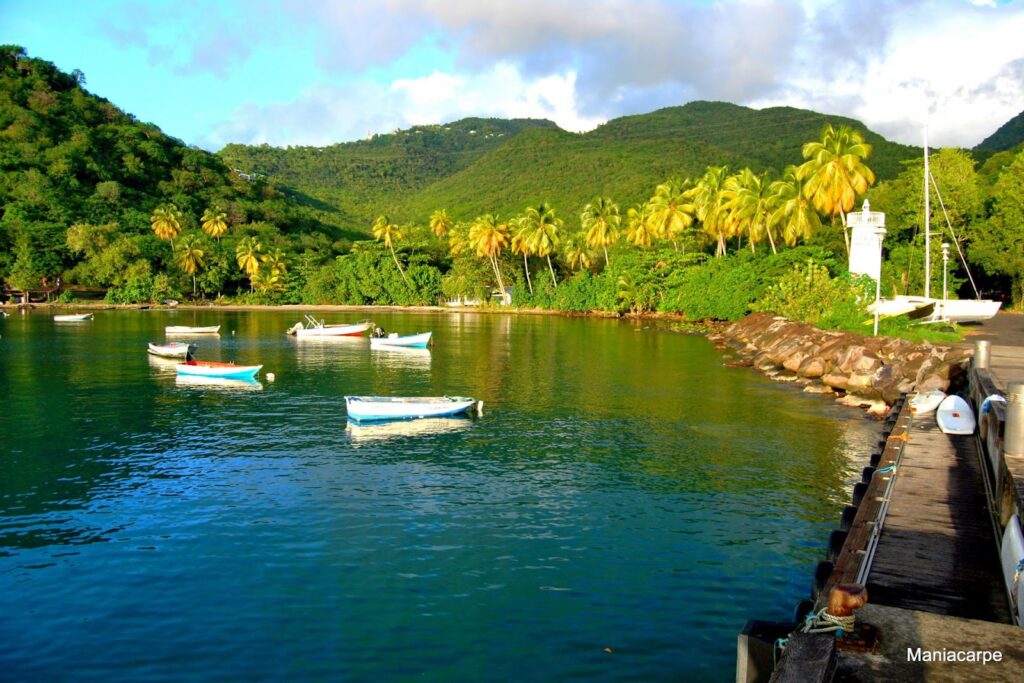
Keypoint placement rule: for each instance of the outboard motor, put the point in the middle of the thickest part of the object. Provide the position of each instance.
(379, 333)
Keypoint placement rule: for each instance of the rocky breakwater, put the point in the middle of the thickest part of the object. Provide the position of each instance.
(863, 371)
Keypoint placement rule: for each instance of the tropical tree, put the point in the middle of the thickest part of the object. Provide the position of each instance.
(999, 246)
(247, 255)
(488, 237)
(441, 222)
(576, 253)
(542, 229)
(792, 212)
(166, 222)
(389, 233)
(709, 196)
(749, 206)
(190, 257)
(458, 238)
(670, 212)
(275, 262)
(835, 174)
(215, 223)
(601, 220)
(639, 226)
(521, 245)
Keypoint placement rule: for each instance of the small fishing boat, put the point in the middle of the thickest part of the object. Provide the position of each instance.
(172, 350)
(209, 368)
(366, 408)
(316, 328)
(417, 341)
(184, 329)
(922, 404)
(954, 416)
(72, 317)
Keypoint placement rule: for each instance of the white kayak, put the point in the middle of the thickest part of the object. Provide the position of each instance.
(922, 404)
(954, 416)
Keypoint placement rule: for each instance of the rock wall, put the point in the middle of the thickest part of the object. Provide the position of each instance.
(868, 371)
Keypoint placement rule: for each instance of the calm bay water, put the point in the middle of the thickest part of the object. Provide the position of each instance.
(623, 491)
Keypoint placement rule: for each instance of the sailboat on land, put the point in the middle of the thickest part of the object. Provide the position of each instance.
(926, 308)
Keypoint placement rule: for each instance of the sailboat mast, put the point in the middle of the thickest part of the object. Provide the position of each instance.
(927, 224)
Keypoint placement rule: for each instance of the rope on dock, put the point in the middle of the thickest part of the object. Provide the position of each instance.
(823, 622)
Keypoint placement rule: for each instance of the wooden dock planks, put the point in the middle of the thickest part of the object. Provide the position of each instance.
(937, 550)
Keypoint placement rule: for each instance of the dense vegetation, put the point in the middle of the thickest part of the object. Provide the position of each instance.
(1009, 136)
(708, 211)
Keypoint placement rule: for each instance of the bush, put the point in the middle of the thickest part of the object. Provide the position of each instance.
(809, 293)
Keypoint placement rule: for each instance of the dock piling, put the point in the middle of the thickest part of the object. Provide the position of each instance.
(981, 354)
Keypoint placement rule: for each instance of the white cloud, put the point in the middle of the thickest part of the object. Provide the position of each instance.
(327, 115)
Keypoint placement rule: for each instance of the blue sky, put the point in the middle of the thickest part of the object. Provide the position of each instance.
(295, 72)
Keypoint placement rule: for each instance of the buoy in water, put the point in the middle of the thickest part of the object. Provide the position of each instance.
(270, 377)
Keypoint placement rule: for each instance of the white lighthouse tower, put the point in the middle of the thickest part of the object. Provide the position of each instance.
(867, 229)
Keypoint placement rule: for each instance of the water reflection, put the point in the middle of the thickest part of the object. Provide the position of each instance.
(161, 364)
(314, 351)
(218, 383)
(382, 431)
(401, 357)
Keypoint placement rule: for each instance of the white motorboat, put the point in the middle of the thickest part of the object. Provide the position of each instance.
(317, 328)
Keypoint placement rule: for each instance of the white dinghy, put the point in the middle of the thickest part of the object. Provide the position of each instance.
(954, 416)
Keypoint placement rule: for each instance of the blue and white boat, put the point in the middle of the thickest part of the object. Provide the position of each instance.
(417, 341)
(367, 408)
(207, 368)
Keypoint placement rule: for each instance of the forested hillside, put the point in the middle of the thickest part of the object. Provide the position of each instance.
(508, 165)
(1008, 136)
(71, 159)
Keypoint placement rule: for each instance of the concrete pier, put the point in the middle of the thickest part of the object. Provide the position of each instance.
(925, 539)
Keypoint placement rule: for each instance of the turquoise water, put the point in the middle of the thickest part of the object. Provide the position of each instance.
(623, 491)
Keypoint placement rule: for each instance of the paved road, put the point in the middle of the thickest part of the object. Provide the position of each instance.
(1006, 329)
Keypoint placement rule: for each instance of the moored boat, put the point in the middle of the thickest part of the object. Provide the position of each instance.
(72, 317)
(367, 408)
(418, 341)
(923, 404)
(207, 368)
(185, 329)
(317, 328)
(172, 349)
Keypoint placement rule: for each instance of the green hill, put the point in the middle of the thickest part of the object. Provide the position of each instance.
(411, 173)
(351, 183)
(1009, 135)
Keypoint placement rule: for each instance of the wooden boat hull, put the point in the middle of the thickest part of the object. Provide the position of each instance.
(172, 350)
(413, 341)
(218, 370)
(74, 318)
(954, 416)
(370, 408)
(331, 330)
(183, 329)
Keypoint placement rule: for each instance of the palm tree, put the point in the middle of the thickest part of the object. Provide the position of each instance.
(835, 174)
(543, 227)
(440, 222)
(275, 262)
(458, 238)
(792, 212)
(670, 211)
(247, 255)
(384, 229)
(639, 227)
(166, 222)
(576, 253)
(708, 200)
(488, 237)
(748, 204)
(521, 245)
(190, 257)
(601, 220)
(214, 222)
